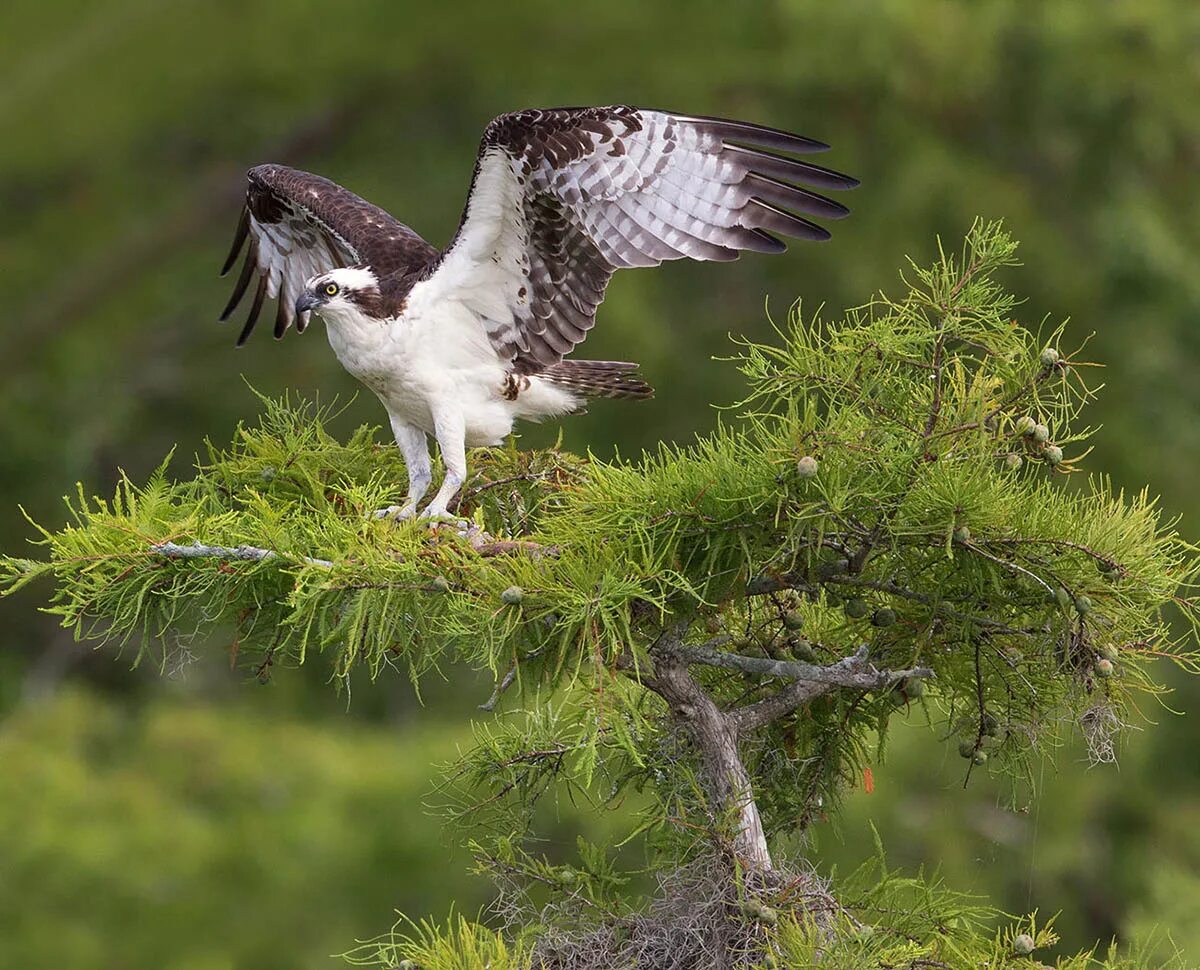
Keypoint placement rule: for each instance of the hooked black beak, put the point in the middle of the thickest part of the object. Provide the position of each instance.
(306, 302)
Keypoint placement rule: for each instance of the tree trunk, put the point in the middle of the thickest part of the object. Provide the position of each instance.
(715, 735)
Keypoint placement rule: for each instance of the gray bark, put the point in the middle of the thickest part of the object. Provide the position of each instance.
(715, 736)
(716, 733)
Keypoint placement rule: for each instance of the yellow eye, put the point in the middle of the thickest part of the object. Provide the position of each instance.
(331, 289)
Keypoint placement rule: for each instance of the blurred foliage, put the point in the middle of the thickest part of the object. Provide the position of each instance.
(1092, 840)
(128, 124)
(179, 836)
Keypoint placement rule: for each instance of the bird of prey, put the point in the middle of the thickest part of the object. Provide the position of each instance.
(460, 343)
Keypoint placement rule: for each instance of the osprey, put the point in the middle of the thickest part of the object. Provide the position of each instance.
(462, 342)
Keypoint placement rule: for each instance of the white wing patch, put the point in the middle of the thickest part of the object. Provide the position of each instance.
(489, 267)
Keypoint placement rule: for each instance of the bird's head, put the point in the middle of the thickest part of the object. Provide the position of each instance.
(353, 289)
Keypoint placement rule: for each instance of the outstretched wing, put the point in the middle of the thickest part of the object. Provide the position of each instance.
(561, 198)
(300, 225)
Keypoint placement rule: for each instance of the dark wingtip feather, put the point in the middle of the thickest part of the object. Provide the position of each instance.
(255, 310)
(763, 215)
(774, 245)
(755, 240)
(283, 317)
(239, 288)
(793, 197)
(790, 169)
(745, 131)
(239, 238)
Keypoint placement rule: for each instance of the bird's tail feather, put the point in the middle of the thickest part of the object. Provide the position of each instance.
(598, 378)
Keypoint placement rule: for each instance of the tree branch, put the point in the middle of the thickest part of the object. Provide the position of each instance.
(854, 671)
(198, 550)
(809, 680)
(507, 681)
(484, 544)
(504, 684)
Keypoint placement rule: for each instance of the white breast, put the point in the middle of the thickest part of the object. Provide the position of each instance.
(435, 355)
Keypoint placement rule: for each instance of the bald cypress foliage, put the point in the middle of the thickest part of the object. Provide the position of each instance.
(898, 521)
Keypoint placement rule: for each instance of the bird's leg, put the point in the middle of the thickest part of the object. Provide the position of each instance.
(415, 448)
(450, 431)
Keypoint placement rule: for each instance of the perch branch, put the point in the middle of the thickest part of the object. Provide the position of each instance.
(198, 550)
(484, 544)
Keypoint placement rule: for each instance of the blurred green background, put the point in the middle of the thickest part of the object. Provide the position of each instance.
(202, 821)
